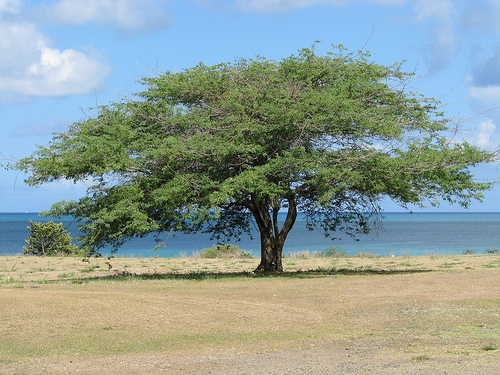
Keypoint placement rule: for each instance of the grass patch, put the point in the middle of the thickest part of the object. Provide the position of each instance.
(89, 269)
(66, 275)
(491, 266)
(40, 269)
(12, 269)
(488, 348)
(7, 280)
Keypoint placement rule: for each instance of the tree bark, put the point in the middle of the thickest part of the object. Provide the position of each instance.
(272, 238)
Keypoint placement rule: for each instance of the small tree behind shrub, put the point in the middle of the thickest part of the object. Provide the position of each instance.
(225, 251)
(49, 239)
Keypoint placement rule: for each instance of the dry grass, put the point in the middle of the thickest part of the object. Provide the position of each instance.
(62, 315)
(26, 269)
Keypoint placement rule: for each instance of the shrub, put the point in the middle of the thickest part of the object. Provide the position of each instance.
(468, 252)
(224, 251)
(333, 252)
(491, 251)
(49, 239)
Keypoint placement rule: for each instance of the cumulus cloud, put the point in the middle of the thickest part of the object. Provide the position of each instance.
(124, 15)
(30, 66)
(486, 133)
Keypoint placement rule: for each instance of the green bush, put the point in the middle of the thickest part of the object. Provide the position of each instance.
(333, 252)
(224, 251)
(491, 251)
(468, 252)
(49, 239)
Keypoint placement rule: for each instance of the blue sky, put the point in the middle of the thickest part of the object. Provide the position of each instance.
(60, 57)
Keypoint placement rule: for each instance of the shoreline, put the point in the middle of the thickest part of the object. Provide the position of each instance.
(420, 233)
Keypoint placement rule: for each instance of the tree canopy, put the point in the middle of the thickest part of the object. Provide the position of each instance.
(220, 148)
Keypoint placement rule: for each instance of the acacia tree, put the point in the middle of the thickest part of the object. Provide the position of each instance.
(217, 148)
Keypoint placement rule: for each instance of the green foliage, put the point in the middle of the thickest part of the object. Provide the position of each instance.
(218, 148)
(468, 252)
(333, 252)
(225, 251)
(489, 347)
(49, 239)
(491, 251)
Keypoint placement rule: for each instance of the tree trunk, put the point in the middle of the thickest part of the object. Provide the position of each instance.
(271, 254)
(272, 238)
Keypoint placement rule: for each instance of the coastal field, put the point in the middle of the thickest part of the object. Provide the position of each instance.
(352, 315)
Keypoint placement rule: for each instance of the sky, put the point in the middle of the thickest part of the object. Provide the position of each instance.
(58, 58)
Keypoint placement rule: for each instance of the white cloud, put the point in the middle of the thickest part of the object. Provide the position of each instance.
(9, 6)
(429, 9)
(30, 66)
(486, 133)
(489, 96)
(484, 81)
(124, 15)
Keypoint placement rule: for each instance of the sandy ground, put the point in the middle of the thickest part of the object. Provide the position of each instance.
(56, 319)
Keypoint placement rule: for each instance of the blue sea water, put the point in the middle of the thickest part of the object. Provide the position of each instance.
(402, 233)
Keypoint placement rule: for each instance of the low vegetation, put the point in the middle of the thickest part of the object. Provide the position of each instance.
(49, 239)
(225, 261)
(193, 315)
(225, 251)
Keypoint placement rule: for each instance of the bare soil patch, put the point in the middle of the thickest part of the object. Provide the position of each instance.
(360, 315)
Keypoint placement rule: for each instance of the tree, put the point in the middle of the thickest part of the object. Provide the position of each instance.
(49, 239)
(217, 148)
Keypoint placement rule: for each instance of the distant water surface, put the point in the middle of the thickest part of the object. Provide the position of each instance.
(401, 234)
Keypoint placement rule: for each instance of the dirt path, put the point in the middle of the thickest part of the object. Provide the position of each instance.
(327, 358)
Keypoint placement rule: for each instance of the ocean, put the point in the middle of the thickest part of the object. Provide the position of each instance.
(401, 234)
